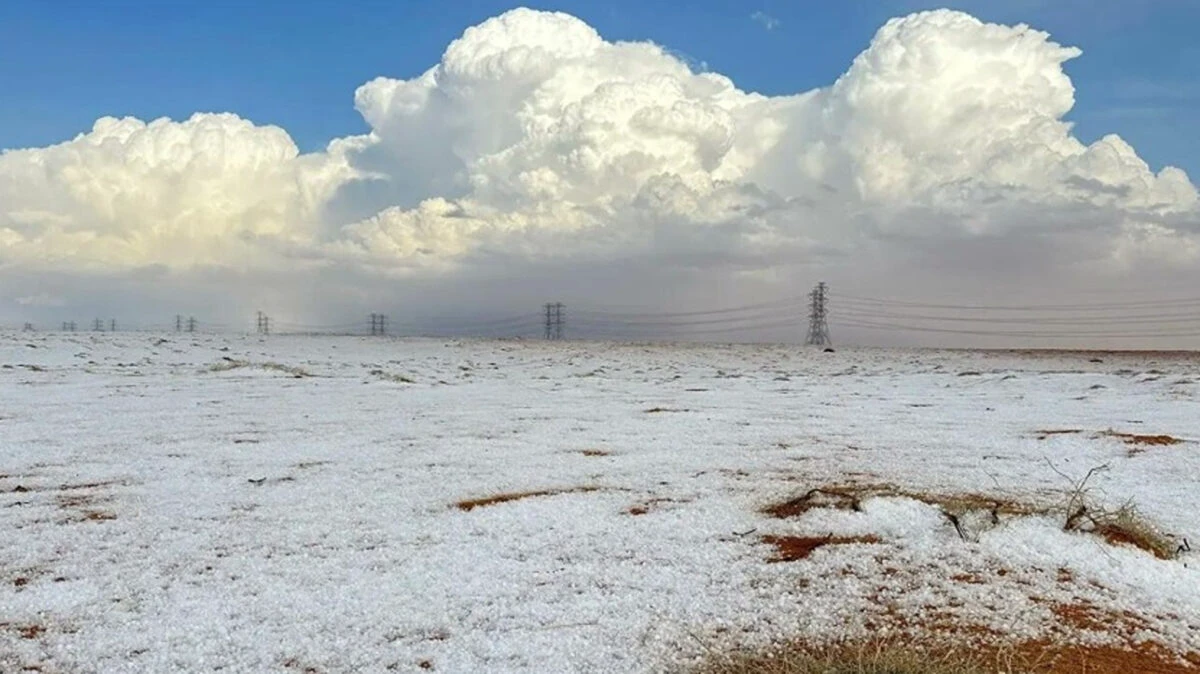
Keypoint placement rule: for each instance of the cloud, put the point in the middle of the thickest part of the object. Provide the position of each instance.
(769, 22)
(41, 300)
(535, 148)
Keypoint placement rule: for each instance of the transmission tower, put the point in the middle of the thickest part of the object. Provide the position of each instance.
(264, 324)
(29, 327)
(98, 325)
(178, 323)
(191, 324)
(378, 324)
(112, 325)
(554, 320)
(818, 328)
(68, 326)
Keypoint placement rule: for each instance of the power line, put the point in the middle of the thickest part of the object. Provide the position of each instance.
(871, 301)
(1033, 320)
(1016, 333)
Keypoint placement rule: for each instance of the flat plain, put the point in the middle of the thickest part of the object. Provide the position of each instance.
(185, 502)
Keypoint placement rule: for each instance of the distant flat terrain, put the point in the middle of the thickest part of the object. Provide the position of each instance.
(200, 502)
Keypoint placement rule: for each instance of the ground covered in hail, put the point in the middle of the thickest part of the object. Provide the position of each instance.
(338, 504)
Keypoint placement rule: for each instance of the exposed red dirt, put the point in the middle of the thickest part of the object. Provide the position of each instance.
(1135, 439)
(1045, 433)
(793, 548)
(471, 504)
(1118, 535)
(828, 497)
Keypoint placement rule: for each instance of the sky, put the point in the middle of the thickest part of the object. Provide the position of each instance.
(295, 65)
(998, 165)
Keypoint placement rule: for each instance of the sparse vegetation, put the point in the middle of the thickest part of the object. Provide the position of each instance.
(892, 657)
(870, 658)
(1122, 526)
(393, 377)
(232, 364)
(1080, 512)
(850, 497)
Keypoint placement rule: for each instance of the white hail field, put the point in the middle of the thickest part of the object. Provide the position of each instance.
(235, 503)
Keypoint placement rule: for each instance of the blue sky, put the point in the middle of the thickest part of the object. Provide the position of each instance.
(296, 64)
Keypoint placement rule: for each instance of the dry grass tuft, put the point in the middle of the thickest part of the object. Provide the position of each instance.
(1127, 527)
(850, 497)
(793, 548)
(890, 657)
(841, 498)
(232, 364)
(869, 658)
(393, 377)
(595, 452)
(1123, 526)
(471, 504)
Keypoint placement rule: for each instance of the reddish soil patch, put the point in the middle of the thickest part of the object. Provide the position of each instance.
(968, 578)
(1086, 616)
(842, 499)
(1045, 433)
(90, 485)
(98, 516)
(471, 504)
(1117, 535)
(793, 548)
(30, 631)
(595, 452)
(1134, 439)
(648, 505)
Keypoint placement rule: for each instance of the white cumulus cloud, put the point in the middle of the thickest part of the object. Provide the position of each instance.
(535, 142)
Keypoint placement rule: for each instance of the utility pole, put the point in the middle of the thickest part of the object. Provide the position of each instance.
(191, 324)
(264, 324)
(178, 323)
(554, 320)
(818, 328)
(378, 325)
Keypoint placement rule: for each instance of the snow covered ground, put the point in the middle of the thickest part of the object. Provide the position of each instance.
(234, 503)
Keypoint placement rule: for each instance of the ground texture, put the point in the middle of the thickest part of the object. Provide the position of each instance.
(317, 504)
